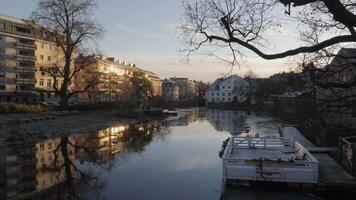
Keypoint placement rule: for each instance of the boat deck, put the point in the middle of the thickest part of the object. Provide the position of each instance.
(275, 159)
(331, 173)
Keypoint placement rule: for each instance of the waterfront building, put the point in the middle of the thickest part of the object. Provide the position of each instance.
(229, 89)
(107, 75)
(156, 83)
(17, 60)
(187, 88)
(25, 54)
(170, 90)
(48, 55)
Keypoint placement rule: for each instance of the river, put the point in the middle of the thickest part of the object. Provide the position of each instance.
(176, 158)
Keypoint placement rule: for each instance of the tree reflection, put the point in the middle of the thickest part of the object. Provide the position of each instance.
(70, 166)
(76, 179)
(138, 136)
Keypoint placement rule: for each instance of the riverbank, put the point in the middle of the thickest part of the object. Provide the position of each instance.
(62, 124)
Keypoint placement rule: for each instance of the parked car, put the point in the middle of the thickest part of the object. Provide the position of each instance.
(43, 103)
(53, 104)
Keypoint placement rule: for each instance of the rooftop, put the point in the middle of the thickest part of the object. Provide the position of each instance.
(12, 19)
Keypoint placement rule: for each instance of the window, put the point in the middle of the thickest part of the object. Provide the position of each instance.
(2, 87)
(41, 82)
(49, 58)
(49, 83)
(218, 94)
(212, 94)
(223, 93)
(2, 26)
(41, 57)
(42, 45)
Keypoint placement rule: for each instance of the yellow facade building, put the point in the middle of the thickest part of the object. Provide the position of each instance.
(108, 74)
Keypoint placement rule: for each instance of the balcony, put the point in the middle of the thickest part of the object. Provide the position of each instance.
(29, 46)
(25, 69)
(25, 81)
(25, 57)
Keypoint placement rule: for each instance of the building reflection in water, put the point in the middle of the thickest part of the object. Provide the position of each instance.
(56, 168)
(233, 122)
(48, 167)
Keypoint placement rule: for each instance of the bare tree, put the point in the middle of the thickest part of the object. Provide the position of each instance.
(69, 24)
(243, 25)
(324, 26)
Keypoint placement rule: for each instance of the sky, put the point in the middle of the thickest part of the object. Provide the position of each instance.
(144, 32)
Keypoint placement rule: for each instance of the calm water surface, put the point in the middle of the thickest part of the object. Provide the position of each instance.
(170, 159)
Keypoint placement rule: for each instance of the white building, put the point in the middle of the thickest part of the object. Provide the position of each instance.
(230, 89)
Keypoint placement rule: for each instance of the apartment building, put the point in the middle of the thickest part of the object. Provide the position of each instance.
(48, 55)
(170, 90)
(187, 88)
(229, 89)
(156, 82)
(25, 54)
(109, 75)
(17, 60)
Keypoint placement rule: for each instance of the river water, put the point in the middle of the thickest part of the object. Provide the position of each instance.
(175, 158)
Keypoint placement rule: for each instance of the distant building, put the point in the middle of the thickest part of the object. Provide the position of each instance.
(187, 88)
(109, 74)
(170, 90)
(230, 89)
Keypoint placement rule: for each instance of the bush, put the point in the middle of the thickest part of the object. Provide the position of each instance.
(4, 108)
(22, 108)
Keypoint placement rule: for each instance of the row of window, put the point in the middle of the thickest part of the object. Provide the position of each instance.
(49, 58)
(49, 83)
(168, 90)
(222, 99)
(50, 46)
(222, 94)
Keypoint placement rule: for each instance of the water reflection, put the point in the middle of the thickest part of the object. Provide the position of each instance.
(175, 158)
(244, 122)
(48, 168)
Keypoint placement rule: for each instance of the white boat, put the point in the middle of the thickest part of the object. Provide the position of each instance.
(275, 159)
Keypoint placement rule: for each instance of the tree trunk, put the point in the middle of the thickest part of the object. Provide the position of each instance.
(64, 102)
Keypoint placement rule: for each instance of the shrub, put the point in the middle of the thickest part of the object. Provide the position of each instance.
(22, 108)
(4, 108)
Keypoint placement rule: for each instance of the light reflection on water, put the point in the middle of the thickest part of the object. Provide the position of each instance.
(175, 159)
